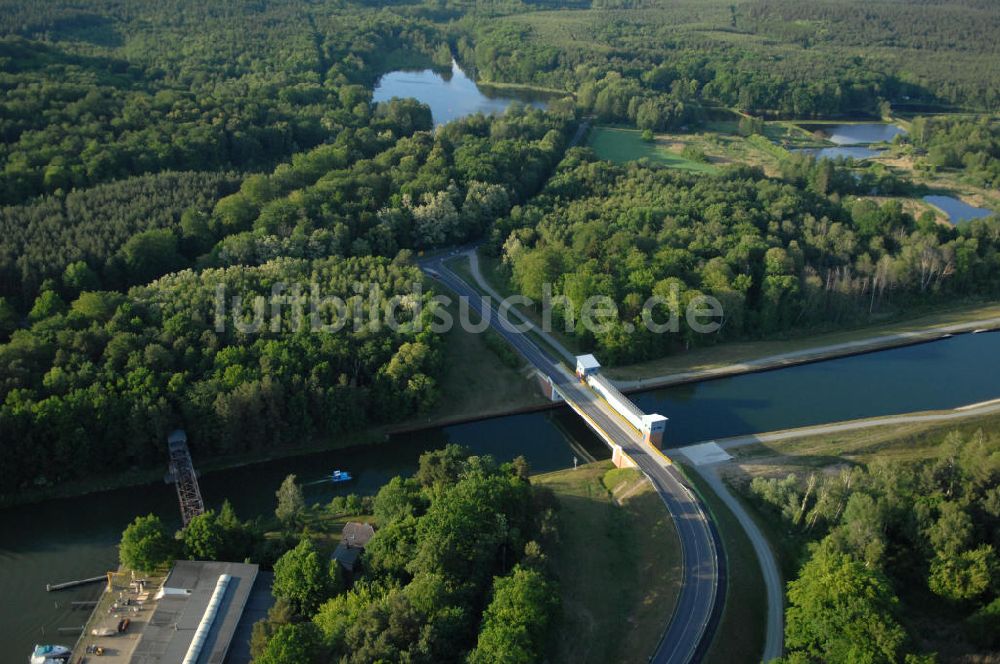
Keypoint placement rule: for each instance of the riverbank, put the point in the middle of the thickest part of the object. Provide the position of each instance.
(493, 389)
(901, 437)
(752, 357)
(735, 358)
(522, 87)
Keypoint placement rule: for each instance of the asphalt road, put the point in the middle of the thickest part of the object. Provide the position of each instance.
(695, 615)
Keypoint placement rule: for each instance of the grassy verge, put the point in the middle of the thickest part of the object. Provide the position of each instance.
(618, 565)
(902, 442)
(740, 634)
(490, 270)
(477, 380)
(494, 275)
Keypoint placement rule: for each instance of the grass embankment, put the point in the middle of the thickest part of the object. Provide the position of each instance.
(480, 378)
(901, 442)
(489, 267)
(739, 636)
(617, 563)
(624, 145)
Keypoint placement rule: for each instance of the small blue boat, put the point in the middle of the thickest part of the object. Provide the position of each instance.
(340, 476)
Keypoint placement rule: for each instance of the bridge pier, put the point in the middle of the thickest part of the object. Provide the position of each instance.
(548, 387)
(620, 459)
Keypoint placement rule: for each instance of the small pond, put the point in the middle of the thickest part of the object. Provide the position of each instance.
(857, 134)
(956, 209)
(451, 95)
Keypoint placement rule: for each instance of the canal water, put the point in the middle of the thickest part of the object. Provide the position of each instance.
(452, 95)
(75, 538)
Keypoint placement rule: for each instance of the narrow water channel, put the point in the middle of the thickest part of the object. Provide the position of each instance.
(75, 538)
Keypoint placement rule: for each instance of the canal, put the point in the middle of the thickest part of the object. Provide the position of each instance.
(75, 538)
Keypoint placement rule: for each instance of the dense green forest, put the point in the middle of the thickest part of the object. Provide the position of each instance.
(113, 90)
(970, 146)
(778, 255)
(422, 191)
(153, 151)
(164, 161)
(898, 554)
(455, 572)
(781, 57)
(98, 231)
(95, 383)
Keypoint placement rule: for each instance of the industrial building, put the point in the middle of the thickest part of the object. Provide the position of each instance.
(195, 615)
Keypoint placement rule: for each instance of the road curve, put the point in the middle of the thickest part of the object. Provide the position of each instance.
(774, 587)
(694, 617)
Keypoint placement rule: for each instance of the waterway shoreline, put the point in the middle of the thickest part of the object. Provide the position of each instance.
(382, 433)
(808, 356)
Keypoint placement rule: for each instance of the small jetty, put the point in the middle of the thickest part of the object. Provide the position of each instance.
(50, 587)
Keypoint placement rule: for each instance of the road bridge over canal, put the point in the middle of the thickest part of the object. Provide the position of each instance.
(634, 438)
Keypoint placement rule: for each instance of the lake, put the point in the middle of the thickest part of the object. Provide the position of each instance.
(857, 134)
(75, 538)
(453, 95)
(956, 209)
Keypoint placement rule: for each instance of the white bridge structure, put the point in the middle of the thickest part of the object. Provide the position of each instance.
(592, 396)
(650, 426)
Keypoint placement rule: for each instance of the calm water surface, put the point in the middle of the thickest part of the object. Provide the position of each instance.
(861, 134)
(451, 96)
(75, 538)
(841, 152)
(957, 210)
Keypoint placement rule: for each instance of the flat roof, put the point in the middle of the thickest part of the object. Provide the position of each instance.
(167, 636)
(587, 362)
(256, 608)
